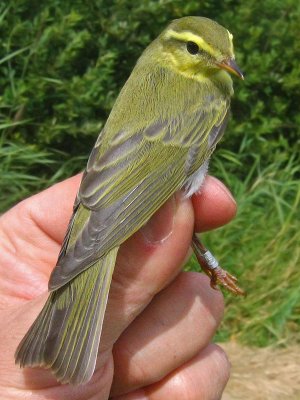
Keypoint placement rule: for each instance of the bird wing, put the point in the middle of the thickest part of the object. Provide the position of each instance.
(127, 180)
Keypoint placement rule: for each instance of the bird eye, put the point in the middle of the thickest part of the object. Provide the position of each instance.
(192, 47)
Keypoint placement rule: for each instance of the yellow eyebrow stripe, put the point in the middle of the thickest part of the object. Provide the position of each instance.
(231, 41)
(190, 37)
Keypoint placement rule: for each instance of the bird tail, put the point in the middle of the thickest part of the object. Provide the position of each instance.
(65, 336)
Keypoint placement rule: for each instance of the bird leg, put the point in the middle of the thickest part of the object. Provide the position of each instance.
(211, 267)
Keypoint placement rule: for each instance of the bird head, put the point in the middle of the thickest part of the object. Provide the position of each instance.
(197, 45)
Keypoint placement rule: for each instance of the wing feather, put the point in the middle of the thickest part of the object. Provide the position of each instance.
(127, 181)
(111, 225)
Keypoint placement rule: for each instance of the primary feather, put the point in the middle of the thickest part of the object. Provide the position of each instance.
(158, 139)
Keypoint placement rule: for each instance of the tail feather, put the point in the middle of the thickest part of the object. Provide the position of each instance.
(30, 350)
(65, 336)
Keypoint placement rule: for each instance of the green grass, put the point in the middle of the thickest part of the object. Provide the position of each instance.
(25, 169)
(261, 247)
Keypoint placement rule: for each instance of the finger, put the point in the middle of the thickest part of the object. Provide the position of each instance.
(214, 206)
(204, 377)
(179, 322)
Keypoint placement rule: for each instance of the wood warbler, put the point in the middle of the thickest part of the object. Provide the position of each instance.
(157, 140)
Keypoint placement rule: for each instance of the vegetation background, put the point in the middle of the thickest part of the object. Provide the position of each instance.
(62, 64)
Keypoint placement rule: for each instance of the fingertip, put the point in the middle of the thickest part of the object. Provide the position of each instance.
(214, 205)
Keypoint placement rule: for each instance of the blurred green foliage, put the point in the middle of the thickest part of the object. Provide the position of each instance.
(62, 64)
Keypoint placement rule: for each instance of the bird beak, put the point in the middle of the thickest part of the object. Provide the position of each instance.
(232, 67)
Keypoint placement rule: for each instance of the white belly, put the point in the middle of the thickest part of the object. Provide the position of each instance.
(194, 182)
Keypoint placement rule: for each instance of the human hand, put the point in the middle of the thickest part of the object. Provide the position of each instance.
(159, 322)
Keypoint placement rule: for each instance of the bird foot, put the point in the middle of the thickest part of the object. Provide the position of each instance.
(218, 276)
(209, 264)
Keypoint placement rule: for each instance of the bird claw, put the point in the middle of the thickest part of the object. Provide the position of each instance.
(218, 276)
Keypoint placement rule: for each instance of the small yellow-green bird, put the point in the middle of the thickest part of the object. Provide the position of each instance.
(157, 140)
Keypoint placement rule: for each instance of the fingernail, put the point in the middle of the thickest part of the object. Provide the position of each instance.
(223, 188)
(160, 226)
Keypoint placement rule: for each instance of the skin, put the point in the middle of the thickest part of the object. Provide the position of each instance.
(153, 306)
